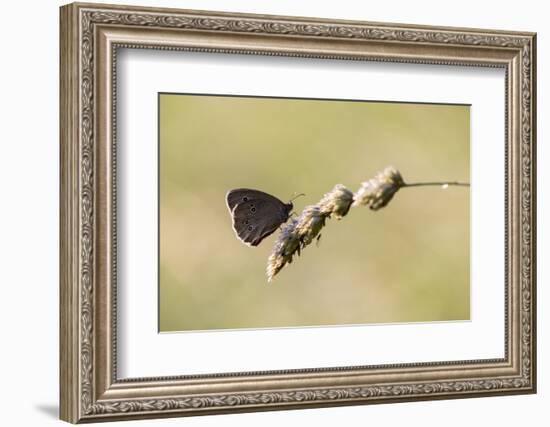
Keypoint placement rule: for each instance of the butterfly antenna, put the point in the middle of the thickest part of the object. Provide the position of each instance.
(296, 196)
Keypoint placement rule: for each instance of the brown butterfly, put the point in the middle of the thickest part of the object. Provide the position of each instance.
(256, 214)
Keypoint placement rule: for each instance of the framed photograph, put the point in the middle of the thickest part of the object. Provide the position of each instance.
(266, 212)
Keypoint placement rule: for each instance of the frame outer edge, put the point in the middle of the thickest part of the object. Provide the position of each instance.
(78, 223)
(305, 19)
(69, 354)
(533, 112)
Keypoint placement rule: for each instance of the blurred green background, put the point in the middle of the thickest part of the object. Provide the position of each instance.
(408, 262)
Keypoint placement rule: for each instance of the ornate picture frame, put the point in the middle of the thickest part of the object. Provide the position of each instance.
(90, 37)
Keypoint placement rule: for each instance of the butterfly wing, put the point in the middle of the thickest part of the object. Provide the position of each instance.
(255, 214)
(239, 195)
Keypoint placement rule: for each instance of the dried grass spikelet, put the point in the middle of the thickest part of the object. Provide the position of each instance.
(310, 223)
(378, 191)
(295, 236)
(302, 231)
(336, 202)
(287, 244)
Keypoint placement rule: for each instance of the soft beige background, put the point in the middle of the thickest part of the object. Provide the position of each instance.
(408, 262)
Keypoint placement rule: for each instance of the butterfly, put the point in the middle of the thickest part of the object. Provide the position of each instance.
(256, 214)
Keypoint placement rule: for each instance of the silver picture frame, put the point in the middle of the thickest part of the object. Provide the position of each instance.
(90, 37)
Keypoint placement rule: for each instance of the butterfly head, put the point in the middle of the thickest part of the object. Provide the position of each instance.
(289, 206)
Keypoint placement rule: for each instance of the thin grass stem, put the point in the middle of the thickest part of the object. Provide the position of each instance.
(439, 184)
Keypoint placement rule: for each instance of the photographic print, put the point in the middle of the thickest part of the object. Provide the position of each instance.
(289, 212)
